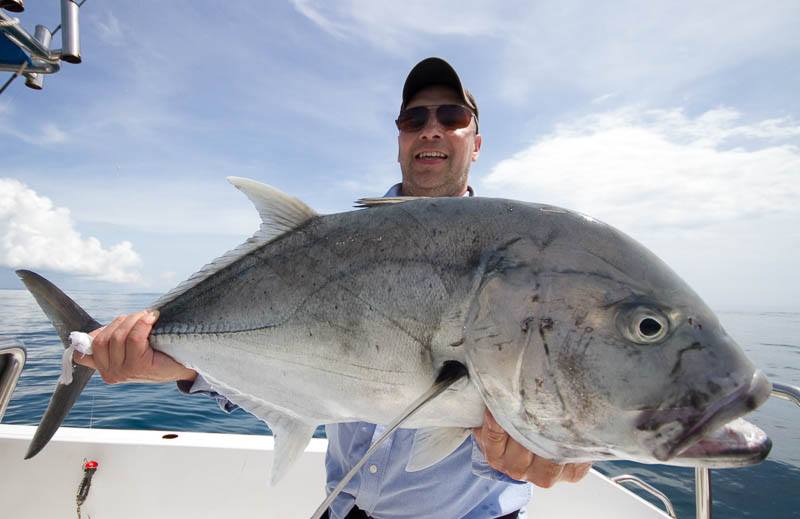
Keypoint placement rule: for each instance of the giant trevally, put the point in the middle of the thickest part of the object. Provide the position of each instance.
(582, 343)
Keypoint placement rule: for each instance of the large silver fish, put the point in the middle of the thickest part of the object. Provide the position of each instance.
(583, 344)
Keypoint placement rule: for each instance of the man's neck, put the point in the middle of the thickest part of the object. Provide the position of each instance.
(463, 191)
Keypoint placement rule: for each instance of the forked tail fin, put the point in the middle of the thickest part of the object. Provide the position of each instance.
(66, 316)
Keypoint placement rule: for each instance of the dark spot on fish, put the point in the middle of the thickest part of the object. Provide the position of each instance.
(535, 298)
(377, 348)
(588, 329)
(526, 323)
(539, 383)
(691, 321)
(693, 399)
(547, 240)
(522, 392)
(545, 324)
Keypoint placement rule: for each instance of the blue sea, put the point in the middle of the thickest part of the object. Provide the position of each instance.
(771, 339)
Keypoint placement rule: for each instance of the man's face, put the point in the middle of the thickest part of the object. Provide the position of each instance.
(437, 176)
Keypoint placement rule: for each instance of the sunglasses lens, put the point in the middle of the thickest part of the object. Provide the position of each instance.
(413, 119)
(453, 117)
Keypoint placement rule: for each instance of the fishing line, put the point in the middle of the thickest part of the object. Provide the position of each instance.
(451, 373)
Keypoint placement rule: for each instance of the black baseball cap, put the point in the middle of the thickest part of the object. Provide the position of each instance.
(436, 71)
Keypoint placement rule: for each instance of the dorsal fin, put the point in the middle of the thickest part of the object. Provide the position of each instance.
(374, 202)
(280, 213)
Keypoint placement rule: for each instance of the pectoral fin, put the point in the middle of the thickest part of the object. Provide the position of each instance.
(433, 444)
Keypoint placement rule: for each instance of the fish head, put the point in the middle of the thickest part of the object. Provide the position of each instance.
(591, 348)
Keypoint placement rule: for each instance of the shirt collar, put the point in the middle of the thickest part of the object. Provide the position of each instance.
(395, 190)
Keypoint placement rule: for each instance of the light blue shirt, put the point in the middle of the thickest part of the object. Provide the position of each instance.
(462, 485)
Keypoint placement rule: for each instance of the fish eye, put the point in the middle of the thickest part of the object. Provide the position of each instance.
(643, 325)
(649, 327)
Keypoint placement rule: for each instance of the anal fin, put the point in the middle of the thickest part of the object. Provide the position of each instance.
(433, 444)
(290, 432)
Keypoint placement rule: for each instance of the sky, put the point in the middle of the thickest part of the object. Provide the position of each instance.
(676, 122)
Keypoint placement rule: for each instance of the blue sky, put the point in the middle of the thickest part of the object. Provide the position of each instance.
(677, 123)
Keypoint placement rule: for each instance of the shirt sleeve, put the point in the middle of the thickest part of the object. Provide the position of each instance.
(481, 468)
(202, 387)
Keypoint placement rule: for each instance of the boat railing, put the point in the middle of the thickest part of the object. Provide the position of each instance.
(12, 359)
(629, 478)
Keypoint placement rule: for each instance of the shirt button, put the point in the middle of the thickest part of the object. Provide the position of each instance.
(373, 469)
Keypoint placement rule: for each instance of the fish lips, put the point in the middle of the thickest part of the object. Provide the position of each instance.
(736, 442)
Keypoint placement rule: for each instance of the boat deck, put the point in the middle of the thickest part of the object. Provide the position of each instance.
(163, 474)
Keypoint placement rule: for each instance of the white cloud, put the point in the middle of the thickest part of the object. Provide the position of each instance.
(51, 134)
(36, 234)
(109, 29)
(660, 169)
(45, 134)
(395, 25)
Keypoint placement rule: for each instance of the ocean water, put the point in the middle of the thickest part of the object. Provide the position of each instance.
(772, 341)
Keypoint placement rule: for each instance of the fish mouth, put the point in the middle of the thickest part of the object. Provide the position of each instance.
(715, 432)
(736, 444)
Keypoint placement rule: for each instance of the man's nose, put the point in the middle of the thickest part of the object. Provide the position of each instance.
(432, 128)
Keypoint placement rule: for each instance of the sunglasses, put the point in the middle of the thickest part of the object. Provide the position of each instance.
(451, 117)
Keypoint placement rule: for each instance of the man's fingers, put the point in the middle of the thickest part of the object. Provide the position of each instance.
(494, 441)
(517, 460)
(100, 344)
(136, 344)
(544, 473)
(574, 472)
(119, 341)
(83, 360)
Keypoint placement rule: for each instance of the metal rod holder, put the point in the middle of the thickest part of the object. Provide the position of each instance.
(25, 41)
(43, 35)
(70, 32)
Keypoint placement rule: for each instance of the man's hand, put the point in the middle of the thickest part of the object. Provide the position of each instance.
(505, 455)
(121, 353)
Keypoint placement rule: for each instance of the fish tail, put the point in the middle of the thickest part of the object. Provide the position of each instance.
(66, 316)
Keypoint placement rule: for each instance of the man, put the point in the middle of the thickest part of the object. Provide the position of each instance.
(486, 476)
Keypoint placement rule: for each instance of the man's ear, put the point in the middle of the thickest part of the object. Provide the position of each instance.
(477, 150)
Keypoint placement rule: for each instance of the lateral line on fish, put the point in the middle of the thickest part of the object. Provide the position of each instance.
(317, 368)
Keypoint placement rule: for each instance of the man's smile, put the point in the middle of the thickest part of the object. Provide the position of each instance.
(430, 157)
